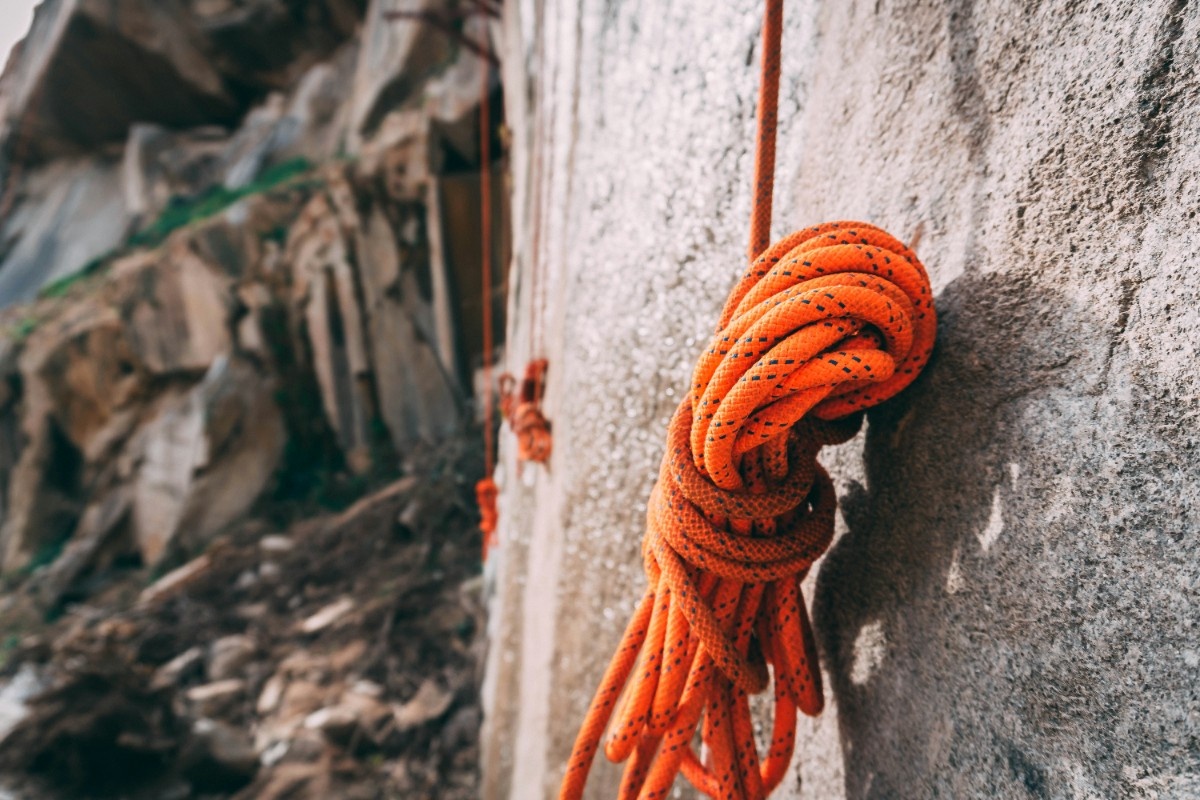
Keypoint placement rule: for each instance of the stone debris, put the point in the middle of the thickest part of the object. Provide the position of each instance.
(217, 698)
(175, 581)
(218, 756)
(327, 616)
(274, 545)
(92, 729)
(15, 696)
(181, 668)
(357, 677)
(429, 703)
(229, 655)
(272, 694)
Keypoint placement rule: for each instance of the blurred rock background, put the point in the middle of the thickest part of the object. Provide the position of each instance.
(239, 282)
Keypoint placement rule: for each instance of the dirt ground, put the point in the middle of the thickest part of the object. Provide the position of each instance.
(337, 656)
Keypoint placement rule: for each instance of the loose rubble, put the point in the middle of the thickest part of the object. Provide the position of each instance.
(349, 669)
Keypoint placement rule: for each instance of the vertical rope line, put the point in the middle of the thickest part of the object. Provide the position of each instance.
(485, 213)
(536, 255)
(768, 123)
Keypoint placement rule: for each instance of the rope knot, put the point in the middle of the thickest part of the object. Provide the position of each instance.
(523, 409)
(830, 320)
(486, 495)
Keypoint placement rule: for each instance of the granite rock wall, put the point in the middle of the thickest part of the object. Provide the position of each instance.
(1010, 607)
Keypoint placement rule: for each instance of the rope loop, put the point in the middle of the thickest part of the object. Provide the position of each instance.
(830, 320)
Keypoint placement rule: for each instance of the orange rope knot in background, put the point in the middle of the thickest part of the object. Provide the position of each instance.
(486, 494)
(523, 410)
(828, 321)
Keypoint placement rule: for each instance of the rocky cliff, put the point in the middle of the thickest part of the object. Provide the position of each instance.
(245, 224)
(239, 280)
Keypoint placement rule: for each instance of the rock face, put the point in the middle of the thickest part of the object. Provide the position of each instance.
(105, 403)
(1009, 608)
(165, 82)
(206, 458)
(359, 293)
(160, 381)
(252, 323)
(91, 68)
(64, 219)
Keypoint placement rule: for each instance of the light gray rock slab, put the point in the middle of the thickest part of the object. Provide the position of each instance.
(1009, 609)
(71, 212)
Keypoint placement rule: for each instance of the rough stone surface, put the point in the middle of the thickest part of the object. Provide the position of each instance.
(91, 68)
(219, 756)
(357, 286)
(205, 460)
(268, 44)
(147, 405)
(166, 80)
(229, 655)
(102, 400)
(394, 59)
(1009, 608)
(160, 164)
(66, 219)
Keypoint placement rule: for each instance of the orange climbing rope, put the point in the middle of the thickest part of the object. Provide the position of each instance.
(523, 408)
(486, 491)
(828, 321)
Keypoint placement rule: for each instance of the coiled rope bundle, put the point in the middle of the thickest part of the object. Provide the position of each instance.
(827, 322)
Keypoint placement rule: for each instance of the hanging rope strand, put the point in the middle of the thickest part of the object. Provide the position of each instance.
(486, 490)
(522, 402)
(768, 124)
(825, 323)
(485, 214)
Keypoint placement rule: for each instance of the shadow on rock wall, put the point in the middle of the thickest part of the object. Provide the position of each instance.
(900, 627)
